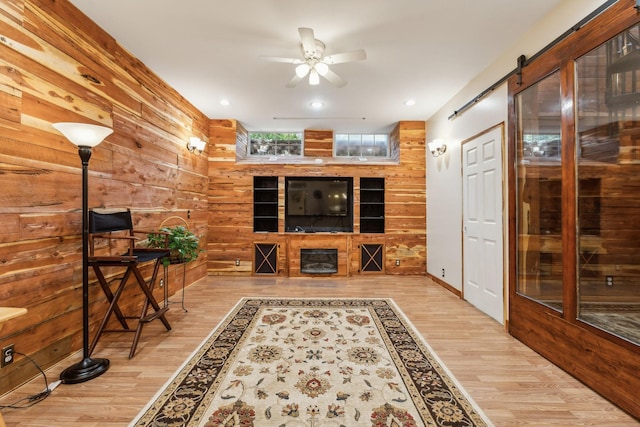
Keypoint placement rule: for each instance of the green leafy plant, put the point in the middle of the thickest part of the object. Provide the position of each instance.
(183, 244)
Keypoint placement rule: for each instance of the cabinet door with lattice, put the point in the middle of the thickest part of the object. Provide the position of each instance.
(265, 258)
(371, 258)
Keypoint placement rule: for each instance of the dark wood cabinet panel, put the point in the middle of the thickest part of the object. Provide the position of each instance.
(265, 258)
(371, 258)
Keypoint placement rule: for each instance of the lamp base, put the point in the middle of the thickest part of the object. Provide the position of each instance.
(85, 370)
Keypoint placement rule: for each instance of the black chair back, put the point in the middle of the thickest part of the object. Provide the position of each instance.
(103, 222)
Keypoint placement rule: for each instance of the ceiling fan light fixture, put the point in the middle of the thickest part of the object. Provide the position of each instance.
(302, 70)
(321, 68)
(314, 62)
(314, 78)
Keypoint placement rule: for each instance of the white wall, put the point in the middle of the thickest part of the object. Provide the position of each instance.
(444, 174)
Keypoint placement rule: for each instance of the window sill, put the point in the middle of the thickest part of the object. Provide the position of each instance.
(291, 160)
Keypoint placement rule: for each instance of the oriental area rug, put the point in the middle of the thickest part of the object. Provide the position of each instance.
(312, 363)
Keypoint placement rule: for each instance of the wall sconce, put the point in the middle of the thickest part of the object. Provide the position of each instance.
(196, 145)
(437, 147)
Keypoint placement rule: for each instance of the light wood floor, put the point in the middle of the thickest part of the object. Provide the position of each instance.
(512, 384)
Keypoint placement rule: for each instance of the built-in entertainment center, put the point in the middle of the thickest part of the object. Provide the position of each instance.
(255, 228)
(318, 204)
(319, 220)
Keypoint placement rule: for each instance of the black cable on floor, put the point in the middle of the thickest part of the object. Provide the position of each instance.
(28, 401)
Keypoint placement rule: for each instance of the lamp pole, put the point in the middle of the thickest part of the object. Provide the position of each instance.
(85, 136)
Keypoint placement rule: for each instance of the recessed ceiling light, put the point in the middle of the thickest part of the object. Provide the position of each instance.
(225, 102)
(409, 102)
(316, 105)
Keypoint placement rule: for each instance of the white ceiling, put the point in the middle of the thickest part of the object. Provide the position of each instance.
(426, 50)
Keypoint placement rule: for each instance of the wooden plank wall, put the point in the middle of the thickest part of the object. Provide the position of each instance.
(318, 143)
(56, 65)
(231, 235)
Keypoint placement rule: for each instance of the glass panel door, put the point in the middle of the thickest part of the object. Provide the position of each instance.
(608, 137)
(539, 189)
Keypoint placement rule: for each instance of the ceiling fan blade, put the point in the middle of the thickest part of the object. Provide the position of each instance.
(338, 58)
(294, 81)
(334, 79)
(279, 59)
(308, 40)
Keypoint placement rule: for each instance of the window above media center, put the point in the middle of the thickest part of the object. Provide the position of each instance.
(275, 144)
(361, 145)
(317, 147)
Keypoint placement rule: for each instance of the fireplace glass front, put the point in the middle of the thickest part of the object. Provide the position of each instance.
(318, 261)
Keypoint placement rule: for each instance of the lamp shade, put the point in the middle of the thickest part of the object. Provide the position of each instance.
(196, 145)
(83, 134)
(437, 147)
(433, 146)
(302, 70)
(321, 68)
(314, 78)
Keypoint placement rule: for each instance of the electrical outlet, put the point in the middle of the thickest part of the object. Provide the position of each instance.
(161, 283)
(443, 272)
(237, 262)
(397, 262)
(7, 355)
(609, 281)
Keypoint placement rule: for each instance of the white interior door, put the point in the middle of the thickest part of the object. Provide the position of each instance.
(483, 278)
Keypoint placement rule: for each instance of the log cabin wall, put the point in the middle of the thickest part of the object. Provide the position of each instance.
(231, 237)
(318, 143)
(57, 65)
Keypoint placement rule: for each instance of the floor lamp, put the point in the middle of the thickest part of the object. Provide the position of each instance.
(85, 136)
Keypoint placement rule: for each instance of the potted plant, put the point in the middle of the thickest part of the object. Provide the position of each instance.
(183, 244)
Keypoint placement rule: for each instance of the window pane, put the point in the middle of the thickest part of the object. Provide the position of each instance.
(361, 145)
(275, 143)
(539, 188)
(382, 142)
(354, 145)
(341, 142)
(368, 145)
(608, 138)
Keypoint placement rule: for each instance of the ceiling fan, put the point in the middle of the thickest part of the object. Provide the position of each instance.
(313, 62)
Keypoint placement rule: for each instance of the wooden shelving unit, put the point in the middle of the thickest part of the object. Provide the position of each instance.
(265, 203)
(371, 205)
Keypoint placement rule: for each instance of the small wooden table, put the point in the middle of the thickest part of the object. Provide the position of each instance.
(7, 313)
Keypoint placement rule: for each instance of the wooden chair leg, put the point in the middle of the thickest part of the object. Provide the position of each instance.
(112, 307)
(159, 312)
(107, 292)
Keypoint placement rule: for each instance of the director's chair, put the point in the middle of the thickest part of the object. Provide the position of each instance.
(115, 227)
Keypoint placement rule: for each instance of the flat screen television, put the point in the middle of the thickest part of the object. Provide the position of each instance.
(317, 204)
